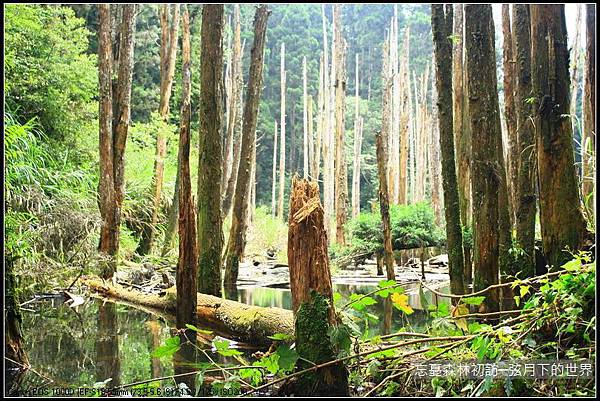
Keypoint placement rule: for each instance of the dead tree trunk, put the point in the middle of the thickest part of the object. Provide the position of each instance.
(561, 216)
(237, 235)
(114, 117)
(357, 147)
(312, 296)
(441, 25)
(235, 118)
(320, 124)
(282, 141)
(168, 52)
(485, 126)
(210, 223)
(274, 179)
(341, 181)
(328, 184)
(404, 122)
(508, 65)
(305, 146)
(526, 207)
(384, 207)
(588, 138)
(187, 265)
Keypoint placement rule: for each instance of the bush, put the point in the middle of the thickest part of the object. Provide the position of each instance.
(412, 226)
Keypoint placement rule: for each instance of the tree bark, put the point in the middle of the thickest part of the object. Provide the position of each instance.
(282, 133)
(274, 180)
(526, 207)
(328, 184)
(305, 146)
(114, 114)
(312, 295)
(384, 207)
(589, 113)
(235, 118)
(237, 235)
(251, 324)
(187, 265)
(210, 223)
(508, 64)
(561, 216)
(441, 25)
(341, 181)
(404, 122)
(168, 53)
(485, 126)
(320, 124)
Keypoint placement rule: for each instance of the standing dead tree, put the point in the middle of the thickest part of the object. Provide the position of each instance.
(237, 235)
(384, 207)
(114, 115)
(168, 53)
(312, 295)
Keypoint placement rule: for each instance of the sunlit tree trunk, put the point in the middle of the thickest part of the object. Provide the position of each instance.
(274, 179)
(404, 131)
(320, 123)
(356, 168)
(435, 165)
(561, 216)
(575, 70)
(588, 139)
(485, 126)
(305, 146)
(341, 182)
(168, 52)
(311, 141)
(508, 64)
(235, 116)
(237, 235)
(282, 141)
(394, 137)
(441, 25)
(210, 223)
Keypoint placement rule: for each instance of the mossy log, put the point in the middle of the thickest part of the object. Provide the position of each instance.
(247, 323)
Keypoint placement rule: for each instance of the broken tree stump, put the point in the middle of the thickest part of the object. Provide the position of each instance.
(312, 296)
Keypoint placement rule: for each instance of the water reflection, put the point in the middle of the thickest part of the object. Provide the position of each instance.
(108, 364)
(108, 341)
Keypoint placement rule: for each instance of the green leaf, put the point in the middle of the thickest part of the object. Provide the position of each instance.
(287, 358)
(281, 337)
(473, 300)
(523, 290)
(171, 346)
(197, 330)
(222, 347)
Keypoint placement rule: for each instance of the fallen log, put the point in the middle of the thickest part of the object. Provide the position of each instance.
(242, 322)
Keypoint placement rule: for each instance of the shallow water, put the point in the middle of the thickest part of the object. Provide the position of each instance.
(99, 342)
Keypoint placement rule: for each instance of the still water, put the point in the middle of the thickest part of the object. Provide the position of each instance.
(105, 342)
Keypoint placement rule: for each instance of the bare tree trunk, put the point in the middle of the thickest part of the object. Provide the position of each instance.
(509, 112)
(561, 216)
(282, 142)
(235, 116)
(237, 235)
(210, 223)
(485, 125)
(168, 53)
(327, 135)
(311, 142)
(435, 165)
(114, 114)
(384, 207)
(588, 138)
(320, 123)
(526, 208)
(575, 70)
(187, 265)
(305, 146)
(441, 25)
(312, 295)
(394, 138)
(274, 180)
(461, 126)
(357, 147)
(341, 182)
(404, 122)
(386, 118)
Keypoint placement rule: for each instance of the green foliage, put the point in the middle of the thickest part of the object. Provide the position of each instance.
(171, 346)
(48, 74)
(412, 226)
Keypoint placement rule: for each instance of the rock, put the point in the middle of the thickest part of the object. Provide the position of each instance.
(438, 261)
